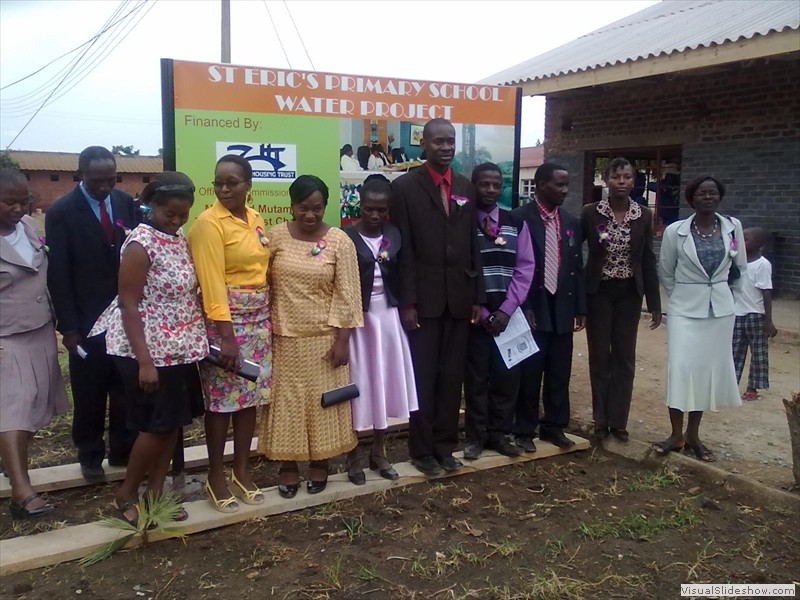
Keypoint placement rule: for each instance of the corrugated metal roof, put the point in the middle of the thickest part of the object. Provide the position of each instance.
(31, 160)
(667, 27)
(532, 156)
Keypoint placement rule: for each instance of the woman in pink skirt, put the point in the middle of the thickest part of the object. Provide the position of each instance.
(380, 360)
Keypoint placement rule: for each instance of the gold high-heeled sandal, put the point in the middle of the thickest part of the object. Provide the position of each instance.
(245, 495)
(227, 505)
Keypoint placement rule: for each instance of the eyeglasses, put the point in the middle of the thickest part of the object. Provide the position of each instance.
(231, 183)
(710, 194)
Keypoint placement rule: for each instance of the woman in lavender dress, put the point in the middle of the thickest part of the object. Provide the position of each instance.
(380, 360)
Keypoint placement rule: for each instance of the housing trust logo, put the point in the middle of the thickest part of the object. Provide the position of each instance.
(270, 161)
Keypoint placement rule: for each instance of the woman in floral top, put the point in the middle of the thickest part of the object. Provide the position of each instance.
(156, 333)
(620, 270)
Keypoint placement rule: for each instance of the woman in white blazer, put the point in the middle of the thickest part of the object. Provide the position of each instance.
(699, 261)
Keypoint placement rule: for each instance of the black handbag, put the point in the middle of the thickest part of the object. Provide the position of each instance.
(248, 369)
(342, 394)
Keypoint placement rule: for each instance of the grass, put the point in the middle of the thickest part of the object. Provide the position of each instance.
(640, 526)
(656, 480)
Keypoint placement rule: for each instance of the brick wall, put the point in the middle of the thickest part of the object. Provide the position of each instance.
(46, 191)
(739, 123)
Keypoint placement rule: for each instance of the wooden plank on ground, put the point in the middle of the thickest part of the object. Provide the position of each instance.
(71, 543)
(64, 477)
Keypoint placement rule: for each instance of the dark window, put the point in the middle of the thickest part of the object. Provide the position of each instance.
(53, 177)
(146, 179)
(119, 178)
(658, 179)
(76, 178)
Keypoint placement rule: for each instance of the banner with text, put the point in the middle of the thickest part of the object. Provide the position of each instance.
(288, 123)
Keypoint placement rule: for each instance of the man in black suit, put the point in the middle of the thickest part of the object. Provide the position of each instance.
(440, 292)
(84, 231)
(556, 308)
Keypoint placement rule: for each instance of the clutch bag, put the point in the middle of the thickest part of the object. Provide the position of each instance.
(342, 394)
(248, 369)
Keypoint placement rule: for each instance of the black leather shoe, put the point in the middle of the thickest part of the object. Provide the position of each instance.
(504, 447)
(427, 465)
(387, 471)
(473, 450)
(525, 443)
(600, 433)
(93, 473)
(450, 463)
(315, 487)
(19, 510)
(357, 478)
(620, 434)
(557, 438)
(288, 490)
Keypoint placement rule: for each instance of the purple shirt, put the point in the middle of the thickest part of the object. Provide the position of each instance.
(523, 268)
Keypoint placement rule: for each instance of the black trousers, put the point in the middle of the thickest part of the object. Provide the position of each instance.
(553, 366)
(611, 329)
(93, 379)
(490, 389)
(439, 352)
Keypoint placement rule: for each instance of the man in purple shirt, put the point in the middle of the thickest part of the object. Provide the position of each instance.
(490, 389)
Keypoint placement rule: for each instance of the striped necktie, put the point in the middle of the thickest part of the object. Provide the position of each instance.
(550, 254)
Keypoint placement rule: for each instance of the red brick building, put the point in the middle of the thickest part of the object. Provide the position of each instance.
(53, 174)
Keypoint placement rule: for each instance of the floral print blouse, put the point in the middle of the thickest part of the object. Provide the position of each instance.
(617, 264)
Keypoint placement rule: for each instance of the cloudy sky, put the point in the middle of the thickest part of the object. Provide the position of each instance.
(112, 94)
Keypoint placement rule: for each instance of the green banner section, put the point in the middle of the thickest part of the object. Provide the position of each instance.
(278, 149)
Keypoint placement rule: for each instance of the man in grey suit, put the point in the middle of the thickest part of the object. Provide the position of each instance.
(440, 291)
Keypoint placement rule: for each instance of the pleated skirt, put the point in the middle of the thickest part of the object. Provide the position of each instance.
(700, 371)
(32, 390)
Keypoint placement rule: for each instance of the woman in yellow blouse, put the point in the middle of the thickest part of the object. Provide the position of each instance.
(230, 252)
(316, 302)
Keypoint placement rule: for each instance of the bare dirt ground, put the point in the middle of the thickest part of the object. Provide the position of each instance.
(582, 526)
(752, 439)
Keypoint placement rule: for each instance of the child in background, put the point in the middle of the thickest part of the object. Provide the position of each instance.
(754, 316)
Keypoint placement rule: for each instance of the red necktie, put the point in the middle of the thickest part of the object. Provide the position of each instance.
(105, 222)
(445, 199)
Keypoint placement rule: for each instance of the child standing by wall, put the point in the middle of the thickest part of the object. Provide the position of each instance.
(754, 316)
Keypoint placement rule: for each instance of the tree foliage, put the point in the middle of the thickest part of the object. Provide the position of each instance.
(6, 160)
(125, 150)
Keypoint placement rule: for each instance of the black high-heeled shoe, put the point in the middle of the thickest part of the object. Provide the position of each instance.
(288, 490)
(19, 510)
(386, 472)
(315, 487)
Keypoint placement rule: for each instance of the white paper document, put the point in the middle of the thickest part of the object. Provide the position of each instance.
(516, 342)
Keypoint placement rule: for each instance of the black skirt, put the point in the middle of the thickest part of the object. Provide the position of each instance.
(178, 400)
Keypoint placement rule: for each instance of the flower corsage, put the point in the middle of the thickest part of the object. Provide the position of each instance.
(121, 225)
(602, 233)
(733, 247)
(317, 249)
(42, 246)
(383, 251)
(571, 237)
(460, 200)
(262, 237)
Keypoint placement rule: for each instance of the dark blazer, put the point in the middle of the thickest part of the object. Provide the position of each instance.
(440, 260)
(366, 264)
(643, 258)
(570, 297)
(82, 276)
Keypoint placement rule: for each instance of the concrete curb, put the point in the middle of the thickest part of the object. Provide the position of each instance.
(758, 493)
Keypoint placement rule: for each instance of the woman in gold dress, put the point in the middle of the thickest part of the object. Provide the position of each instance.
(316, 302)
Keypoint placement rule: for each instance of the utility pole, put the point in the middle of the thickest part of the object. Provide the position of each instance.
(226, 31)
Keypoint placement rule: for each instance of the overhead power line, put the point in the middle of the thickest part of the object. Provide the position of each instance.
(277, 35)
(300, 37)
(75, 49)
(86, 69)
